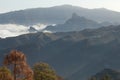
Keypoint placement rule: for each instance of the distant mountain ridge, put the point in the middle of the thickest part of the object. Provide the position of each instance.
(57, 15)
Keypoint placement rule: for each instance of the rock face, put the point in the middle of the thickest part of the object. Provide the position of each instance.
(57, 15)
(75, 23)
(74, 55)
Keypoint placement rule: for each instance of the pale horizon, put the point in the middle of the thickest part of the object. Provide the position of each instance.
(7, 6)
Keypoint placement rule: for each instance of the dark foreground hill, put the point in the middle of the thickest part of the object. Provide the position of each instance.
(74, 55)
(57, 15)
(107, 73)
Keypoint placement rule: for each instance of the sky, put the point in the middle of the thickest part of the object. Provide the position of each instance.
(12, 5)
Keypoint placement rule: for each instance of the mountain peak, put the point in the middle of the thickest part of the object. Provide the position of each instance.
(67, 5)
(76, 19)
(63, 6)
(75, 15)
(75, 23)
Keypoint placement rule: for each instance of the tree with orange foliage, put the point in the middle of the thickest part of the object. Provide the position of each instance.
(16, 61)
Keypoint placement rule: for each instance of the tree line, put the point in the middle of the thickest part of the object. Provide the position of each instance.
(15, 67)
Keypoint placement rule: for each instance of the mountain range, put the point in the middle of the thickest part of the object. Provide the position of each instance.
(75, 55)
(58, 15)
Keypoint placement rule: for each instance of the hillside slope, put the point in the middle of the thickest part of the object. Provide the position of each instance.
(74, 55)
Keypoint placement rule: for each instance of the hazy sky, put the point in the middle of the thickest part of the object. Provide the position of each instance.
(11, 5)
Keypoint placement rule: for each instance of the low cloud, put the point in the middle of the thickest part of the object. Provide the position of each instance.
(12, 30)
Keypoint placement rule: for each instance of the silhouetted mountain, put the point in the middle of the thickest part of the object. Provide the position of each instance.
(75, 23)
(58, 15)
(74, 55)
(32, 29)
(112, 74)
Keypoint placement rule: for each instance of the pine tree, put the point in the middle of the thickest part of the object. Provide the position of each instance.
(42, 71)
(5, 74)
(106, 77)
(93, 78)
